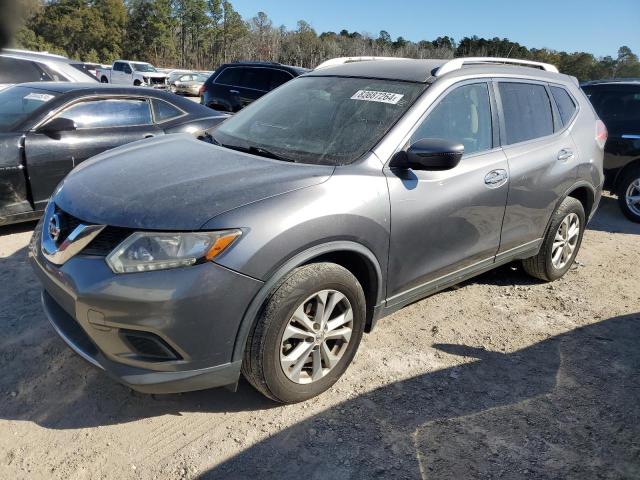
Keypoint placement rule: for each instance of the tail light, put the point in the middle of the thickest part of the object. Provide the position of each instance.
(201, 90)
(601, 133)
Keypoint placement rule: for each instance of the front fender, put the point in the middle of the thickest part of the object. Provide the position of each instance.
(252, 311)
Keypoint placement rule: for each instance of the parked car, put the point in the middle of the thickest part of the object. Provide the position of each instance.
(91, 68)
(127, 72)
(236, 85)
(327, 204)
(188, 84)
(46, 129)
(618, 105)
(19, 66)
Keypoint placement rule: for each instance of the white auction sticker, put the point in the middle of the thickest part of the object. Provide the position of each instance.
(373, 96)
(40, 97)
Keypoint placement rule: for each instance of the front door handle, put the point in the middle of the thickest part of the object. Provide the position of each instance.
(150, 135)
(234, 91)
(565, 154)
(496, 178)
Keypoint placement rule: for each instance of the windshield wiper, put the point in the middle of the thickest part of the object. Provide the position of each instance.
(266, 153)
(262, 152)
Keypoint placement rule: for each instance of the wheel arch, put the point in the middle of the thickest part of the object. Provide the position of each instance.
(355, 257)
(582, 191)
(623, 171)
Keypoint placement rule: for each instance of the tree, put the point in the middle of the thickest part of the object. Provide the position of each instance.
(205, 33)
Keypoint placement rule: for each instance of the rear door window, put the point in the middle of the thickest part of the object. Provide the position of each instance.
(106, 113)
(275, 78)
(615, 103)
(255, 78)
(230, 76)
(565, 104)
(164, 111)
(14, 70)
(527, 111)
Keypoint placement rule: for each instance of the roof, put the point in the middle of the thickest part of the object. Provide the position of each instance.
(612, 82)
(64, 87)
(81, 89)
(408, 70)
(298, 70)
(426, 71)
(36, 56)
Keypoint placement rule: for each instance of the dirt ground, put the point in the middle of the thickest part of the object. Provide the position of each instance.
(501, 377)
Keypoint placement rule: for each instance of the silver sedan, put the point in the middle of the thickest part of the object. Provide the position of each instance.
(188, 84)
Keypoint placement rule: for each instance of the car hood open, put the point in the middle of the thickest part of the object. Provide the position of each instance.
(176, 183)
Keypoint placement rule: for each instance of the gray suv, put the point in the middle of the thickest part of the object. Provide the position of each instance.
(329, 203)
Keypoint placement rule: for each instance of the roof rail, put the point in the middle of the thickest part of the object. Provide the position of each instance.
(257, 62)
(457, 64)
(340, 60)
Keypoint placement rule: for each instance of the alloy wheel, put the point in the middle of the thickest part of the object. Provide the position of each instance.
(316, 336)
(565, 241)
(632, 196)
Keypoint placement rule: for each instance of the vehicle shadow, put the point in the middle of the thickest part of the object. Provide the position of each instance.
(17, 228)
(567, 407)
(43, 381)
(609, 218)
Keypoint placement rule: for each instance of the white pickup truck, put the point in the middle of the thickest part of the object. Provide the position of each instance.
(126, 72)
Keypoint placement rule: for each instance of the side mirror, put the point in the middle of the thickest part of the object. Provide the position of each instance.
(57, 125)
(429, 154)
(127, 70)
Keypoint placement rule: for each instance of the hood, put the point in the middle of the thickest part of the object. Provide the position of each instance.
(153, 74)
(176, 182)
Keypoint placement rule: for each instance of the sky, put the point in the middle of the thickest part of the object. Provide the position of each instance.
(595, 26)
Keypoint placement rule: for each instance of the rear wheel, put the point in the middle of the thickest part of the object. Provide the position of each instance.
(307, 334)
(629, 194)
(104, 80)
(561, 243)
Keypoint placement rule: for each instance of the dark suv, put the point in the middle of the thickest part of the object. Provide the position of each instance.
(233, 86)
(618, 105)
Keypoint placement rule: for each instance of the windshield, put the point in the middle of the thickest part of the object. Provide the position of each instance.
(143, 67)
(320, 120)
(17, 103)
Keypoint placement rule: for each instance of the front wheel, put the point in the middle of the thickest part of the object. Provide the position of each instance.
(307, 334)
(104, 80)
(561, 243)
(629, 194)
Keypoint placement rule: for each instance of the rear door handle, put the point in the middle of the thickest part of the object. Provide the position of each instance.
(149, 135)
(565, 154)
(496, 178)
(234, 91)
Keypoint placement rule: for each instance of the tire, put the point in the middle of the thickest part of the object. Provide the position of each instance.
(629, 185)
(267, 363)
(544, 265)
(137, 83)
(104, 80)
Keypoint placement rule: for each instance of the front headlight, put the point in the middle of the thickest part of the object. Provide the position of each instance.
(145, 251)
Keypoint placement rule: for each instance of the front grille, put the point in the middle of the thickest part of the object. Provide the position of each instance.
(149, 345)
(157, 81)
(100, 246)
(106, 241)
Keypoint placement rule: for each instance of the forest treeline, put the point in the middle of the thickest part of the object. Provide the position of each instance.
(202, 34)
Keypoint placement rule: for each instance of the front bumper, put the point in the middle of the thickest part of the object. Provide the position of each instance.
(195, 311)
